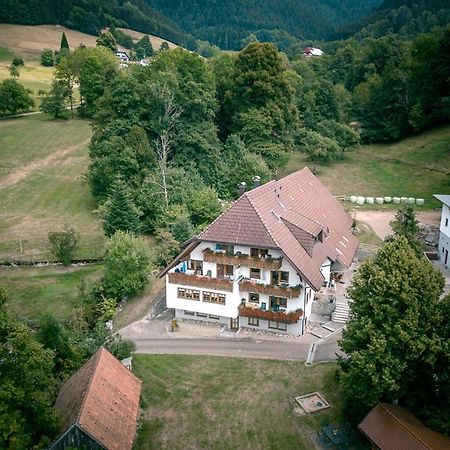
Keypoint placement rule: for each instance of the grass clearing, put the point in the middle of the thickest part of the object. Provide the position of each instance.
(193, 402)
(35, 291)
(418, 166)
(41, 182)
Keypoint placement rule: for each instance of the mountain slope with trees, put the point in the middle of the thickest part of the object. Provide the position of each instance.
(93, 15)
(227, 23)
(404, 17)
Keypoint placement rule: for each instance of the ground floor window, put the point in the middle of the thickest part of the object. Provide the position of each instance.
(277, 325)
(202, 315)
(188, 313)
(189, 294)
(212, 316)
(214, 297)
(253, 321)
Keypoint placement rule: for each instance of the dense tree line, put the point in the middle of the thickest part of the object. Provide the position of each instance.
(393, 86)
(227, 23)
(93, 15)
(403, 17)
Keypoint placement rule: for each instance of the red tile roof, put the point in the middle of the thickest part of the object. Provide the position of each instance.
(282, 214)
(392, 427)
(102, 398)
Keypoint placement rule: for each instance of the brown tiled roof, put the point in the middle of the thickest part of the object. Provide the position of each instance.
(282, 214)
(239, 225)
(103, 399)
(392, 427)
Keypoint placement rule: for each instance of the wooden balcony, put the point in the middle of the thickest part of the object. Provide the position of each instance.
(242, 260)
(185, 279)
(275, 316)
(278, 291)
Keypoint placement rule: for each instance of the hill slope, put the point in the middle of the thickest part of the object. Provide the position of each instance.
(403, 17)
(91, 16)
(28, 41)
(227, 22)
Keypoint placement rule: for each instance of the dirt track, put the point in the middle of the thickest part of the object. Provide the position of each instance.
(379, 221)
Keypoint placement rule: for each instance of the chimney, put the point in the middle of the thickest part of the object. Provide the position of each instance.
(241, 188)
(256, 181)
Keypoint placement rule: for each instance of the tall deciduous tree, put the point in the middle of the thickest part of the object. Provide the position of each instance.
(127, 260)
(54, 101)
(395, 327)
(27, 386)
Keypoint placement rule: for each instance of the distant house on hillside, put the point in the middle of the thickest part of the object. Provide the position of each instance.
(123, 57)
(444, 230)
(309, 52)
(391, 427)
(99, 405)
(260, 262)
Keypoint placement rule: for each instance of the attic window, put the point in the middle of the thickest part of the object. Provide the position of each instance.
(339, 251)
(275, 214)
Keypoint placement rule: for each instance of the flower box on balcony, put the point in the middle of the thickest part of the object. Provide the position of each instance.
(278, 291)
(242, 259)
(200, 281)
(279, 316)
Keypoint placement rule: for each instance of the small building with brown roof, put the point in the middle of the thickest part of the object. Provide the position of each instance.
(260, 262)
(99, 405)
(392, 427)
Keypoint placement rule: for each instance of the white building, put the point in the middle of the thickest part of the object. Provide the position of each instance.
(259, 263)
(309, 52)
(123, 57)
(444, 230)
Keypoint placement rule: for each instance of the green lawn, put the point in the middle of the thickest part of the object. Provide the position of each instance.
(33, 76)
(42, 186)
(193, 402)
(35, 291)
(418, 166)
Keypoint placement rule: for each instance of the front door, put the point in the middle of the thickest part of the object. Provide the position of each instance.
(234, 324)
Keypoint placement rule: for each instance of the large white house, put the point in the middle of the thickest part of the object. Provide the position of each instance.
(260, 262)
(444, 230)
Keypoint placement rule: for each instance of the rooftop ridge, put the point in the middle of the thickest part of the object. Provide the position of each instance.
(261, 219)
(96, 358)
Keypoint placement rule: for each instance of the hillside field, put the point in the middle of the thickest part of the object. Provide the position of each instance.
(418, 166)
(42, 187)
(28, 41)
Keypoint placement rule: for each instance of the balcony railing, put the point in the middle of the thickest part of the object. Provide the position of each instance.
(275, 316)
(242, 259)
(278, 291)
(200, 281)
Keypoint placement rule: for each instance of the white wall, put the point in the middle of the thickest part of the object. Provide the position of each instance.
(444, 235)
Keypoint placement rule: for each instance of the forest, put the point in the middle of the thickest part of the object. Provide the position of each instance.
(227, 23)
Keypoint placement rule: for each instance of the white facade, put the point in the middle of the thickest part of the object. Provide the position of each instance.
(444, 236)
(226, 302)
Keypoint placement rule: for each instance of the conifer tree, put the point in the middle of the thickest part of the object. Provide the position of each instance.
(121, 212)
(64, 43)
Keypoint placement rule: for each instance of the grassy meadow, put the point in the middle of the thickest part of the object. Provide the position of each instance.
(418, 166)
(42, 186)
(35, 291)
(193, 402)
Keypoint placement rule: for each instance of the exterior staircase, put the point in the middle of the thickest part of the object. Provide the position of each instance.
(341, 313)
